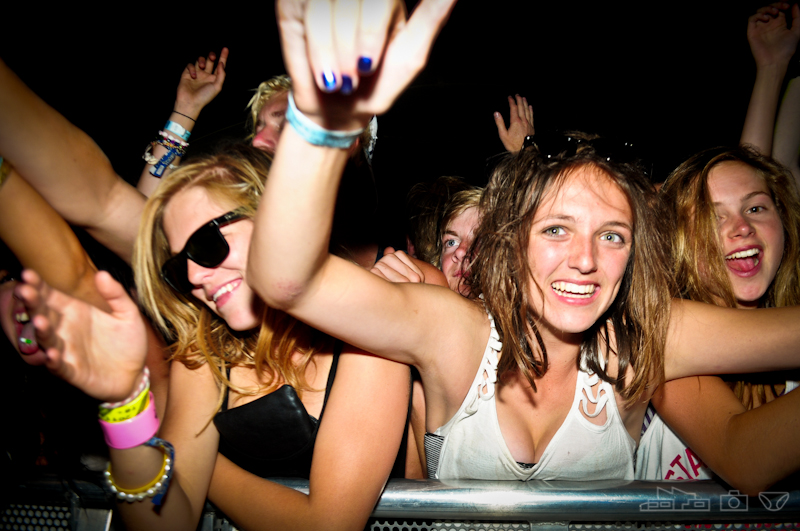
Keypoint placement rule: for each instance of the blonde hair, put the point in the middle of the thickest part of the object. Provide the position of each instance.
(236, 176)
(267, 90)
(697, 257)
(459, 203)
(501, 271)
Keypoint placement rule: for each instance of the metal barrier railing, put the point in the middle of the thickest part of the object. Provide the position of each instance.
(416, 505)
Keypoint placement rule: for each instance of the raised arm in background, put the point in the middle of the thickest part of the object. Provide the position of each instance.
(72, 173)
(786, 142)
(772, 45)
(199, 85)
(520, 123)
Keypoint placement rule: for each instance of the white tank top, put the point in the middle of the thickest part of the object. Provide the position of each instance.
(471, 445)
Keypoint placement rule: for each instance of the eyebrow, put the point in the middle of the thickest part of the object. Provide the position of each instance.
(746, 197)
(561, 217)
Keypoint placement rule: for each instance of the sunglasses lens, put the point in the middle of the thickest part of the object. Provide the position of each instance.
(206, 247)
(174, 273)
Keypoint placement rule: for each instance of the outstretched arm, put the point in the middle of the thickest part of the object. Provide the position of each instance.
(41, 240)
(750, 450)
(731, 341)
(199, 85)
(772, 45)
(66, 167)
(520, 123)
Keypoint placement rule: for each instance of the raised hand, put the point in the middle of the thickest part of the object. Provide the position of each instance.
(771, 42)
(200, 83)
(100, 353)
(364, 48)
(520, 123)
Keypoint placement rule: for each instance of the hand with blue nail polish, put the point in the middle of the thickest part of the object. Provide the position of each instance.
(368, 50)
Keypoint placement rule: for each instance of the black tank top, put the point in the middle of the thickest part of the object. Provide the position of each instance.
(272, 436)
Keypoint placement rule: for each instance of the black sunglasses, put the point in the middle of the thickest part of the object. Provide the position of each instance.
(206, 247)
(552, 146)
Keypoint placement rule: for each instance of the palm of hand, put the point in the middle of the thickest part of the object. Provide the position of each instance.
(100, 353)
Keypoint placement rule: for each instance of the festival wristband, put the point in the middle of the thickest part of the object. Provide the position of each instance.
(133, 432)
(316, 135)
(128, 411)
(178, 129)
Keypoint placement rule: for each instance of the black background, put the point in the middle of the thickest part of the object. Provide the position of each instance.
(674, 77)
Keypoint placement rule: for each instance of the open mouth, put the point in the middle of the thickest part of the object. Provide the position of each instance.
(743, 261)
(577, 291)
(227, 288)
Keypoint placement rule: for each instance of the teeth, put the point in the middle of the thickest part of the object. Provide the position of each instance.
(742, 254)
(227, 288)
(22, 317)
(581, 291)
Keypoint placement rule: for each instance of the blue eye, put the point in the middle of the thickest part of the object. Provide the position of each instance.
(450, 243)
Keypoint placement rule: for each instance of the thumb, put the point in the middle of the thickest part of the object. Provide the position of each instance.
(389, 250)
(501, 125)
(114, 294)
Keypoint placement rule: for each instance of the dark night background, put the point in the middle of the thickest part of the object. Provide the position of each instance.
(674, 77)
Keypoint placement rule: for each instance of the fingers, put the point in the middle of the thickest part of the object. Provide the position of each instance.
(192, 70)
(502, 131)
(114, 294)
(321, 46)
(372, 37)
(346, 21)
(223, 61)
(398, 267)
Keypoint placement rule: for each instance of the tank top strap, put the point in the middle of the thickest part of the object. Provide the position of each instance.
(227, 389)
(337, 350)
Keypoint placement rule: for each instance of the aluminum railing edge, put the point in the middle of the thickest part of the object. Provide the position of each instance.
(578, 501)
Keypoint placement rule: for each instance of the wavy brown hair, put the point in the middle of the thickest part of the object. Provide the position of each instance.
(501, 270)
(697, 258)
(234, 176)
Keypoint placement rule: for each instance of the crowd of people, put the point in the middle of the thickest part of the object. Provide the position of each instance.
(570, 320)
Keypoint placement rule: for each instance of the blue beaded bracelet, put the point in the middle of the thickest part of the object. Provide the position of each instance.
(316, 135)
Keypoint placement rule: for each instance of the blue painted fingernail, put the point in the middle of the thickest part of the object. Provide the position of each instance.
(364, 65)
(347, 85)
(329, 80)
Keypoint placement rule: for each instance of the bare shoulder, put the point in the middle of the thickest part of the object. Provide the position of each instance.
(433, 275)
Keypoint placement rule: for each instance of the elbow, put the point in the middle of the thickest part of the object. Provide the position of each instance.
(277, 293)
(747, 481)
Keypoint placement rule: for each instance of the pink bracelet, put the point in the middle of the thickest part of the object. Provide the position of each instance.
(133, 432)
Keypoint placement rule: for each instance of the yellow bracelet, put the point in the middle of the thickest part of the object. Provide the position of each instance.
(140, 493)
(129, 410)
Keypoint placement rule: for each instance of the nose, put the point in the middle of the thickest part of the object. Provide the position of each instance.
(196, 273)
(266, 139)
(739, 226)
(460, 252)
(582, 254)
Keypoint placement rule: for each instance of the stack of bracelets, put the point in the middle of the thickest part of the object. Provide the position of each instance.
(132, 423)
(176, 147)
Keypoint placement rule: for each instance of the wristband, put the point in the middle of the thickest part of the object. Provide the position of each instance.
(157, 487)
(132, 432)
(128, 411)
(178, 129)
(316, 135)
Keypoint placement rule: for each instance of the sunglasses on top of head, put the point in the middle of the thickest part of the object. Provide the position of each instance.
(610, 149)
(206, 247)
